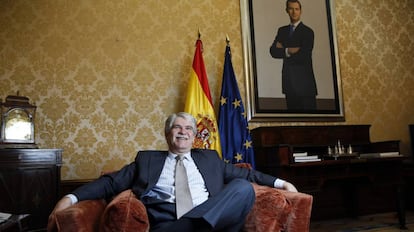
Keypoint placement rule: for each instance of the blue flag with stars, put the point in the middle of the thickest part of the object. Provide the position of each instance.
(236, 143)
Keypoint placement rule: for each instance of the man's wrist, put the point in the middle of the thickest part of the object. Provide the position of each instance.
(287, 52)
(72, 198)
(279, 183)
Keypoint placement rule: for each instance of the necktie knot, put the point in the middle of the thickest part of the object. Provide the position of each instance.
(179, 158)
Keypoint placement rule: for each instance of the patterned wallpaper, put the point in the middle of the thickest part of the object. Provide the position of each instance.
(105, 74)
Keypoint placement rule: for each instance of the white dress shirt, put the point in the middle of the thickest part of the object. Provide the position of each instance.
(165, 187)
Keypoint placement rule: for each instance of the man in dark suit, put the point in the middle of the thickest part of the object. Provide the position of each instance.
(294, 44)
(221, 194)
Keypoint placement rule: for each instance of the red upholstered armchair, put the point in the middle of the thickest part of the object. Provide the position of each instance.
(274, 210)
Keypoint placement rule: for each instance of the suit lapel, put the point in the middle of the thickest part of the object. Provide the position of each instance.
(203, 164)
(200, 161)
(155, 165)
(297, 29)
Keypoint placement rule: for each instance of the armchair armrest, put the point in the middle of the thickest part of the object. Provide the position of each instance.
(279, 210)
(84, 216)
(299, 218)
(123, 213)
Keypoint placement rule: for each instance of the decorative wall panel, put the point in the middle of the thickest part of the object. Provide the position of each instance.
(105, 74)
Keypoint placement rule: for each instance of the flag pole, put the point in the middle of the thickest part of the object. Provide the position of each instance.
(227, 40)
(199, 38)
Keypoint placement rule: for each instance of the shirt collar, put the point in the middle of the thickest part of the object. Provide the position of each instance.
(172, 155)
(296, 24)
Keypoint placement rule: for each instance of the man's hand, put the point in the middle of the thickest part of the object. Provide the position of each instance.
(62, 204)
(289, 187)
(294, 50)
(279, 45)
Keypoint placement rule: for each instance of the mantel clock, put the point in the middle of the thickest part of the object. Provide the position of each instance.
(17, 123)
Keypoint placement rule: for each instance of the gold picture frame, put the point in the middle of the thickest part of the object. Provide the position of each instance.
(260, 21)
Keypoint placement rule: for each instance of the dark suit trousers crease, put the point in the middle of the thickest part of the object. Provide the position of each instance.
(225, 211)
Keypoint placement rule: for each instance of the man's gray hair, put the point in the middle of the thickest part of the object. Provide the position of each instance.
(170, 121)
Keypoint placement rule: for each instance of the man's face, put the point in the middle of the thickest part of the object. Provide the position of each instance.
(181, 137)
(294, 11)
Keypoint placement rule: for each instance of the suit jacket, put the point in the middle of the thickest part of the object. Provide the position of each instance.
(297, 73)
(142, 174)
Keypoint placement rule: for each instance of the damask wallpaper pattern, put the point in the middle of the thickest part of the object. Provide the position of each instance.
(105, 74)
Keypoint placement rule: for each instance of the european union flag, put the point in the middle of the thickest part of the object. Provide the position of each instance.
(236, 143)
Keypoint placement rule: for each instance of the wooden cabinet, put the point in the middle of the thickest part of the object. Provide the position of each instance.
(274, 146)
(29, 182)
(344, 187)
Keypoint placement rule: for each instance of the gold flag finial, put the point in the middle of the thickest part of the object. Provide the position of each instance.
(227, 40)
(199, 33)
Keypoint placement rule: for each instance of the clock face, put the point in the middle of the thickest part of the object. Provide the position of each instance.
(18, 126)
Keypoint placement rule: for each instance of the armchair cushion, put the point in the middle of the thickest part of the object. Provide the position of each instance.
(125, 213)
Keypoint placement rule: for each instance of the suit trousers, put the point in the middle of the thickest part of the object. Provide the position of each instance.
(225, 211)
(294, 102)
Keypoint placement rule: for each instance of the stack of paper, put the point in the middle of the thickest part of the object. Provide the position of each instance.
(300, 157)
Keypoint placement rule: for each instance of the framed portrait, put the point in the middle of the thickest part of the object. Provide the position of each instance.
(273, 78)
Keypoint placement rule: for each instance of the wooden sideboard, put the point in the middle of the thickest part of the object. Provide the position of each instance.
(344, 187)
(29, 183)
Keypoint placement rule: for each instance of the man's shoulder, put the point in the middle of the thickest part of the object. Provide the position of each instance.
(305, 27)
(152, 151)
(203, 151)
(146, 153)
(284, 28)
(204, 154)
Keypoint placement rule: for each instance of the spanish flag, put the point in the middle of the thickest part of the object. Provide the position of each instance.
(199, 104)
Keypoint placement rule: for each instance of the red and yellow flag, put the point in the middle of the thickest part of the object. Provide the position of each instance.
(199, 104)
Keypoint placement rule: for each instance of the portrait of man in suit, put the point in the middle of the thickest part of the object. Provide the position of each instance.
(294, 44)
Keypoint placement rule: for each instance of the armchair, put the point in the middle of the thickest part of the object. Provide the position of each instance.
(274, 210)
